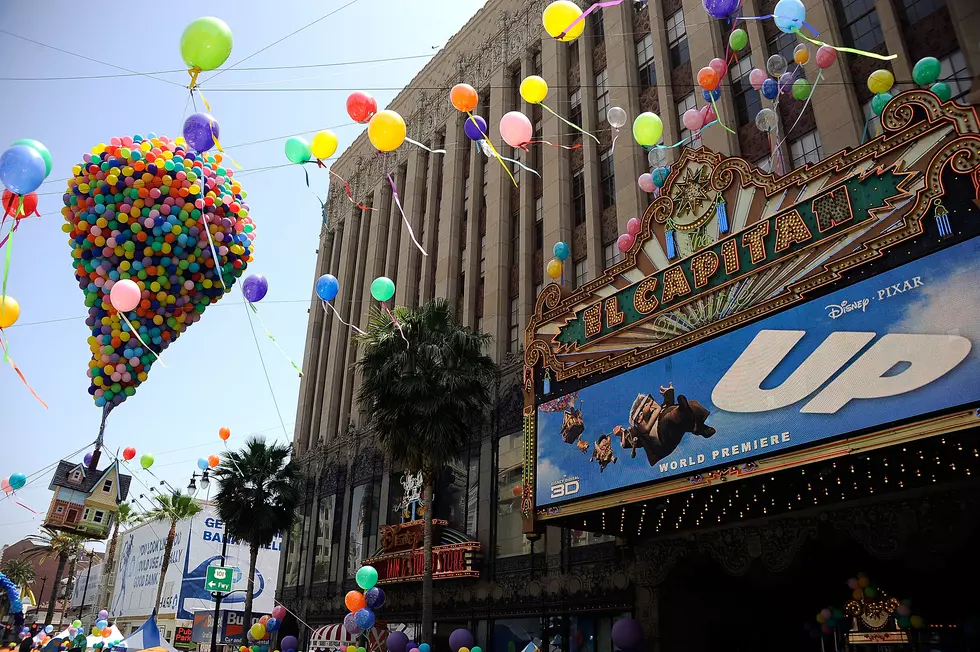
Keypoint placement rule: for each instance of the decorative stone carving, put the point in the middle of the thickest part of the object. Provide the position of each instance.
(783, 540)
(727, 547)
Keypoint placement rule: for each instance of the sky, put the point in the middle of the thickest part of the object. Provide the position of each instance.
(944, 303)
(214, 373)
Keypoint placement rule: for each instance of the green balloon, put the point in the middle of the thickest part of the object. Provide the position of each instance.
(926, 70)
(367, 576)
(382, 289)
(942, 91)
(648, 129)
(40, 149)
(738, 39)
(146, 461)
(801, 89)
(298, 150)
(206, 43)
(476, 648)
(879, 101)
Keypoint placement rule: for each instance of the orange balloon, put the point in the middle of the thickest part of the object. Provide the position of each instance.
(224, 433)
(708, 78)
(464, 97)
(213, 461)
(355, 600)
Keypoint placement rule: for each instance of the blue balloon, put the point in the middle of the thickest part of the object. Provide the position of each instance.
(202, 464)
(364, 618)
(660, 176)
(21, 169)
(327, 287)
(424, 647)
(375, 597)
(101, 624)
(711, 95)
(561, 250)
(272, 625)
(770, 88)
(789, 15)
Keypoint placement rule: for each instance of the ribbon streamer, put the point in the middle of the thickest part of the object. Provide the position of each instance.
(718, 117)
(482, 145)
(492, 149)
(12, 229)
(548, 142)
(568, 122)
(20, 374)
(136, 332)
(350, 195)
(615, 138)
(327, 304)
(685, 140)
(394, 320)
(17, 502)
(255, 311)
(803, 110)
(214, 253)
(768, 16)
(598, 5)
(306, 172)
(6, 260)
(860, 53)
(214, 136)
(398, 203)
(418, 144)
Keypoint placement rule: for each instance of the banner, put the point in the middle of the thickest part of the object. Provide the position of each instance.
(892, 347)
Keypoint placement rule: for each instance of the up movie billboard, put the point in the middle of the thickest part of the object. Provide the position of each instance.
(897, 345)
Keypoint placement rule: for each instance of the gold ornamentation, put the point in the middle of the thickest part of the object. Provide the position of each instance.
(690, 193)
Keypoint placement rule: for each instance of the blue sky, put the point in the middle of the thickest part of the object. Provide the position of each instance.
(214, 376)
(945, 304)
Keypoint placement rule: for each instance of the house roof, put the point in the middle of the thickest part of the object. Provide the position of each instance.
(89, 480)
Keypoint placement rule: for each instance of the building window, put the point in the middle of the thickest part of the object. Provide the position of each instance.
(873, 126)
(859, 24)
(537, 290)
(483, 255)
(514, 327)
(536, 62)
(644, 62)
(915, 10)
(539, 235)
(515, 235)
(783, 44)
(611, 255)
(322, 552)
(747, 100)
(363, 510)
(687, 103)
(806, 149)
(98, 516)
(598, 25)
(578, 197)
(581, 272)
(473, 494)
(677, 39)
(479, 324)
(510, 465)
(952, 70)
(107, 486)
(602, 94)
(607, 179)
(575, 100)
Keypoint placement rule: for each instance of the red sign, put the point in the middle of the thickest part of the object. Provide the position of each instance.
(402, 558)
(183, 635)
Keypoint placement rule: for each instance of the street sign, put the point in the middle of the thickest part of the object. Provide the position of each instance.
(219, 579)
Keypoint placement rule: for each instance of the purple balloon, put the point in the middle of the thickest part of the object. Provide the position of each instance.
(460, 638)
(721, 8)
(397, 642)
(88, 459)
(200, 130)
(476, 131)
(627, 634)
(350, 624)
(255, 287)
(289, 643)
(375, 597)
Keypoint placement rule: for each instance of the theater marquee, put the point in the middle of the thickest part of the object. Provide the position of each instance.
(832, 302)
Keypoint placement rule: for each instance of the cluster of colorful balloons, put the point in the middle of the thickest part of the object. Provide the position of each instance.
(926, 73)
(23, 168)
(158, 233)
(626, 240)
(266, 625)
(323, 146)
(75, 629)
(209, 462)
(562, 251)
(460, 640)
(361, 604)
(13, 483)
(830, 619)
(880, 83)
(776, 80)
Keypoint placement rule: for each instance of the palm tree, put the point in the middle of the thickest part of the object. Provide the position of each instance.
(175, 508)
(59, 545)
(125, 516)
(257, 497)
(426, 395)
(20, 572)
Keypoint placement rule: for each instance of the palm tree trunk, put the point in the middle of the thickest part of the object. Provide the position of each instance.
(103, 597)
(427, 560)
(166, 560)
(70, 587)
(62, 561)
(253, 556)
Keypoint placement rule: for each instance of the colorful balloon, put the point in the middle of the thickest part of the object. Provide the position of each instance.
(738, 39)
(361, 107)
(645, 182)
(648, 129)
(257, 631)
(554, 268)
(324, 144)
(375, 597)
(786, 83)
(464, 98)
(146, 461)
(272, 625)
(789, 15)
(616, 117)
(879, 102)
(382, 289)
(298, 150)
(559, 16)
(926, 71)
(770, 88)
(279, 611)
(625, 242)
(200, 131)
(38, 147)
(202, 463)
(776, 65)
(475, 128)
(364, 618)
(327, 287)
(719, 66)
(289, 643)
(354, 601)
(534, 89)
(350, 624)
(387, 130)
(801, 54)
(213, 461)
(515, 129)
(19, 206)
(801, 89)
(691, 120)
(942, 91)
(633, 225)
(757, 78)
(206, 43)
(129, 453)
(826, 56)
(561, 250)
(9, 311)
(224, 433)
(17, 481)
(881, 81)
(708, 78)
(721, 8)
(765, 120)
(125, 295)
(21, 169)
(255, 287)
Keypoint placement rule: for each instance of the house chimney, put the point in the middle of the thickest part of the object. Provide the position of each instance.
(94, 464)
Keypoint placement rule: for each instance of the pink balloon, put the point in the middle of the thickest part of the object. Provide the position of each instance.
(634, 225)
(692, 119)
(707, 114)
(646, 183)
(758, 77)
(719, 66)
(7, 489)
(125, 295)
(515, 128)
(826, 56)
(625, 242)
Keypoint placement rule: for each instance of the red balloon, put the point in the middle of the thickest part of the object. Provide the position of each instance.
(129, 453)
(11, 202)
(361, 107)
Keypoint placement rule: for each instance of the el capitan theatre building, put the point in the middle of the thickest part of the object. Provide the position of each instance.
(779, 424)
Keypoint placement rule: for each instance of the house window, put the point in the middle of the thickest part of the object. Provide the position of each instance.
(677, 39)
(611, 255)
(952, 70)
(687, 103)
(85, 514)
(806, 149)
(581, 272)
(598, 25)
(578, 197)
(602, 94)
(747, 100)
(607, 179)
(514, 327)
(107, 486)
(915, 10)
(98, 517)
(76, 476)
(859, 24)
(60, 509)
(510, 458)
(644, 62)
(575, 100)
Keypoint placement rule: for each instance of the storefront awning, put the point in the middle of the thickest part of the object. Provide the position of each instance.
(335, 637)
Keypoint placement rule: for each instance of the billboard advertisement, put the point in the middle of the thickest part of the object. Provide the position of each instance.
(140, 553)
(891, 347)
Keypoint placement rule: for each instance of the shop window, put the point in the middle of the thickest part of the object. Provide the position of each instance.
(322, 552)
(688, 102)
(578, 197)
(602, 94)
(581, 272)
(645, 63)
(805, 149)
(510, 465)
(607, 179)
(859, 24)
(677, 39)
(748, 103)
(611, 255)
(516, 633)
(953, 71)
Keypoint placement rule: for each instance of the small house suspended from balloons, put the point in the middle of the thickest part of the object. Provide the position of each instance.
(86, 499)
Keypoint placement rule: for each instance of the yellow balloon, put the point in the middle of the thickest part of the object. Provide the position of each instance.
(881, 81)
(387, 130)
(554, 268)
(534, 89)
(324, 144)
(558, 16)
(9, 311)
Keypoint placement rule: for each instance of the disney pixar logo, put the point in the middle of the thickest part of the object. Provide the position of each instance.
(834, 311)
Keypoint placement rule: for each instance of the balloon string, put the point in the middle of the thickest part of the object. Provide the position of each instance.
(718, 117)
(398, 203)
(861, 53)
(569, 123)
(350, 195)
(7, 358)
(598, 5)
(803, 110)
(306, 172)
(394, 320)
(548, 142)
(193, 72)
(492, 149)
(136, 332)
(482, 146)
(685, 140)
(417, 143)
(327, 304)
(217, 143)
(255, 311)
(214, 252)
(17, 502)
(12, 229)
(615, 138)
(6, 262)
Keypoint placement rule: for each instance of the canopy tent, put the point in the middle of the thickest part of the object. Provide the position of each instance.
(147, 636)
(335, 637)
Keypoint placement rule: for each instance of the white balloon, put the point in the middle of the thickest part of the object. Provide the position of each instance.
(617, 117)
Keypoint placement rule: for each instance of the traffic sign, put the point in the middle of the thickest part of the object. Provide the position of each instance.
(219, 579)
